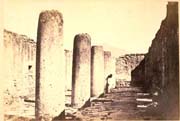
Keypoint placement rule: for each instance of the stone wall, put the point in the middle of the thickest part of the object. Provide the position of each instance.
(138, 74)
(19, 53)
(162, 65)
(125, 64)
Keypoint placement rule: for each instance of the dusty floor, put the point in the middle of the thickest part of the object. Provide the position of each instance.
(125, 103)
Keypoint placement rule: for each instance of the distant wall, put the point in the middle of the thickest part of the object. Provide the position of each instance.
(125, 64)
(19, 54)
(162, 65)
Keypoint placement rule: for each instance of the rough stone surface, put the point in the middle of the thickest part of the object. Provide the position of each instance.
(162, 65)
(125, 64)
(97, 71)
(81, 69)
(50, 71)
(20, 70)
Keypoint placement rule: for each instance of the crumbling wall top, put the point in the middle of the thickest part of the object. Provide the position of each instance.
(23, 38)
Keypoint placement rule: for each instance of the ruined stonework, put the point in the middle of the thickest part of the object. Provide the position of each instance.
(81, 69)
(19, 51)
(50, 71)
(97, 71)
(125, 64)
(162, 65)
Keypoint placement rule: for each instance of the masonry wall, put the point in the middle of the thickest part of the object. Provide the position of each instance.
(162, 65)
(138, 74)
(19, 53)
(125, 64)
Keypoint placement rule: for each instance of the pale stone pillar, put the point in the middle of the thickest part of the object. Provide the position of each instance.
(68, 69)
(109, 68)
(97, 71)
(81, 70)
(50, 95)
(113, 69)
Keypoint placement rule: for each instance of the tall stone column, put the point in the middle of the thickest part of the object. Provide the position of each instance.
(81, 70)
(113, 69)
(68, 69)
(50, 95)
(97, 71)
(109, 68)
(68, 75)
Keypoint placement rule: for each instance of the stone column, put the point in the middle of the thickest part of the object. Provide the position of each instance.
(81, 70)
(97, 71)
(113, 69)
(50, 95)
(68, 76)
(109, 68)
(68, 69)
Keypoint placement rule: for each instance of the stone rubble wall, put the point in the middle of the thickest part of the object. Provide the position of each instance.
(125, 64)
(161, 65)
(19, 53)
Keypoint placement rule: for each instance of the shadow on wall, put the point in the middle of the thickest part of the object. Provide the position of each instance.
(159, 71)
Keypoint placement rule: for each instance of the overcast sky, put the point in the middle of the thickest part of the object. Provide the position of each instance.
(126, 24)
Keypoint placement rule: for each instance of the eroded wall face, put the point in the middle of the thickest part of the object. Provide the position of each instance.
(162, 65)
(125, 64)
(19, 53)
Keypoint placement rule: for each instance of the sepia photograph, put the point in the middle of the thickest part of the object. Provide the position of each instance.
(89, 60)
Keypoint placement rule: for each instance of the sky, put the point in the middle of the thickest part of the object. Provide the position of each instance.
(129, 25)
